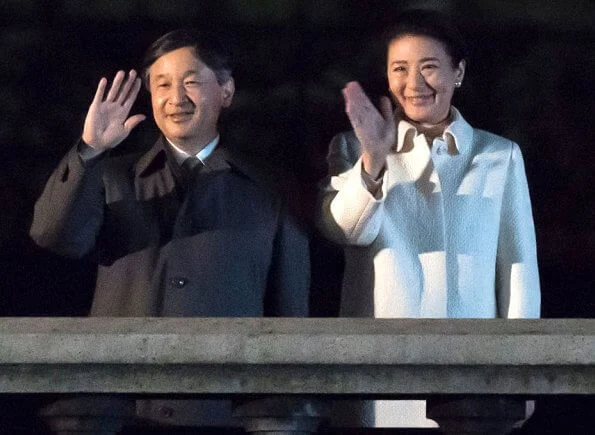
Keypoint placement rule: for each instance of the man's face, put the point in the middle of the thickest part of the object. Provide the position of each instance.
(186, 98)
(421, 78)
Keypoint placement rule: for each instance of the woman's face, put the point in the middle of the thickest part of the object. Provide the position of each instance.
(421, 77)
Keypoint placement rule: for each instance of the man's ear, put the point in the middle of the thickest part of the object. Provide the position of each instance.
(227, 90)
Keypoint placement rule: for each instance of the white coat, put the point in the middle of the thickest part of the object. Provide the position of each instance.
(449, 235)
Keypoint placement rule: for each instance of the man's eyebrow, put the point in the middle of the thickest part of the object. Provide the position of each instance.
(185, 75)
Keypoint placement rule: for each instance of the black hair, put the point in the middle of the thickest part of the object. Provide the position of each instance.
(433, 24)
(207, 47)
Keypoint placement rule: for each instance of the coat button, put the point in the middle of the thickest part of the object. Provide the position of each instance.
(166, 411)
(178, 282)
(440, 146)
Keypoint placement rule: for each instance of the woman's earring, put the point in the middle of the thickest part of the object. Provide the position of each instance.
(458, 84)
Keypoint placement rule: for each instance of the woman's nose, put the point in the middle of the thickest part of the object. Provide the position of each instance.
(416, 79)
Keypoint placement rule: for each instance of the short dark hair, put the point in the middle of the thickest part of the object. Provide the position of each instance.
(431, 23)
(207, 47)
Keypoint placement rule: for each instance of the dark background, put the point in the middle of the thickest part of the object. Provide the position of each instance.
(530, 78)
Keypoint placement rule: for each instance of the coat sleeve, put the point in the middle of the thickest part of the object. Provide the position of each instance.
(288, 287)
(68, 214)
(517, 273)
(347, 212)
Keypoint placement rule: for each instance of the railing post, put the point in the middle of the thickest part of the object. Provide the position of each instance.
(87, 415)
(476, 415)
(278, 415)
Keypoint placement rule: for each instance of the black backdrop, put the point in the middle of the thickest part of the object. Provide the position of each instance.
(530, 78)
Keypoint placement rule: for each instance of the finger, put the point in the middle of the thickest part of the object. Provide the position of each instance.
(358, 102)
(133, 121)
(128, 84)
(353, 87)
(347, 101)
(116, 84)
(354, 92)
(98, 98)
(386, 108)
(352, 113)
(131, 97)
(349, 92)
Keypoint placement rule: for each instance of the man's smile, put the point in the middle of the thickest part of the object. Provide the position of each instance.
(180, 116)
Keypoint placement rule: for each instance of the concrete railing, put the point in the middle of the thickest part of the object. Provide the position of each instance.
(298, 359)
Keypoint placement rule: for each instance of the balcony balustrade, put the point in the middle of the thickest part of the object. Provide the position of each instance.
(281, 373)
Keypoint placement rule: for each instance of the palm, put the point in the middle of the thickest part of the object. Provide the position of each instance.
(376, 131)
(107, 123)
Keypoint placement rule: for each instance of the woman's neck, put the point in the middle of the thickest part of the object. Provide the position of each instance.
(432, 131)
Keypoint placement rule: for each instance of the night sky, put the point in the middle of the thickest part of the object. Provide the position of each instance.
(530, 78)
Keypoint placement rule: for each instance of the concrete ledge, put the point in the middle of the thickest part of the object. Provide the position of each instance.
(353, 357)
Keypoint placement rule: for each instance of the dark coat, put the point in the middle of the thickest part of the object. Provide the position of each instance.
(221, 245)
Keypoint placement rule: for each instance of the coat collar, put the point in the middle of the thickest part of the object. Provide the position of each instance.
(459, 131)
(160, 156)
(153, 160)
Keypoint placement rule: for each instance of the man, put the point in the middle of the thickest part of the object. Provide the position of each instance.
(186, 228)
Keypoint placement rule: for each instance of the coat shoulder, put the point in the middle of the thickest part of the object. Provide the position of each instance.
(264, 176)
(343, 152)
(347, 141)
(485, 141)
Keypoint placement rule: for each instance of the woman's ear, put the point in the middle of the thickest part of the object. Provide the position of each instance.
(460, 70)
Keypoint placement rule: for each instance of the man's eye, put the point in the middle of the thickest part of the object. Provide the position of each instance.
(399, 69)
(162, 85)
(192, 83)
(429, 67)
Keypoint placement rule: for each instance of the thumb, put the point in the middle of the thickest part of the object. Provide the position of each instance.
(133, 121)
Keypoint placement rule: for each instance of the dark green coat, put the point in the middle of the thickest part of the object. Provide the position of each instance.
(221, 246)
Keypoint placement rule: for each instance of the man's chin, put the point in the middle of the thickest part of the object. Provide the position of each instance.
(177, 135)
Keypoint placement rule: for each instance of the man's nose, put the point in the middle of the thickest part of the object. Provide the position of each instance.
(178, 95)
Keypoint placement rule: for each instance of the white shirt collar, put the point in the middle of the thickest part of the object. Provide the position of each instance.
(202, 155)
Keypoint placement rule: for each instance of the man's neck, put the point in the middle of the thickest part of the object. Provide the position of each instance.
(191, 147)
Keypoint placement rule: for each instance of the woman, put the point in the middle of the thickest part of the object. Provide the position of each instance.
(434, 214)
